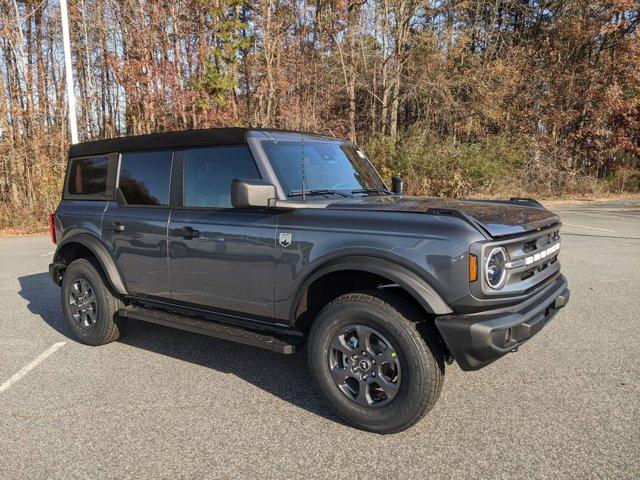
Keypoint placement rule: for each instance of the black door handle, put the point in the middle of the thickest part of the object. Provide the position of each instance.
(117, 227)
(189, 232)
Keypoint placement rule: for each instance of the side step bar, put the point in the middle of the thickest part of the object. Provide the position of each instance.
(211, 328)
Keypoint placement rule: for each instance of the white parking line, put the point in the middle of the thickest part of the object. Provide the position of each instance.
(584, 226)
(31, 365)
(47, 254)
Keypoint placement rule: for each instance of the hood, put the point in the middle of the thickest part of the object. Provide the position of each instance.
(497, 218)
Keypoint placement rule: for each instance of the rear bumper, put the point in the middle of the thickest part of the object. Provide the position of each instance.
(476, 340)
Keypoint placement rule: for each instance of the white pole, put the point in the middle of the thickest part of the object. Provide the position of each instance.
(67, 70)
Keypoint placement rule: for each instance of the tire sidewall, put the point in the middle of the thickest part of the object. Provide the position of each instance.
(85, 269)
(415, 372)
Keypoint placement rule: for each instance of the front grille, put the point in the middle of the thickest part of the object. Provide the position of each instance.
(533, 259)
(529, 273)
(529, 246)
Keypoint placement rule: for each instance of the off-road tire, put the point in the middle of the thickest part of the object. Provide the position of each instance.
(109, 326)
(421, 358)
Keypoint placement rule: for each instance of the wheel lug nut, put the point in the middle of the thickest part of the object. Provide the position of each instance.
(354, 369)
(364, 354)
(373, 362)
(354, 356)
(373, 374)
(364, 377)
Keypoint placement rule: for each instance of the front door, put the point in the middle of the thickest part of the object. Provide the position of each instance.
(135, 227)
(221, 258)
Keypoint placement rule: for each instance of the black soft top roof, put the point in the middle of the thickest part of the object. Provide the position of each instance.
(210, 137)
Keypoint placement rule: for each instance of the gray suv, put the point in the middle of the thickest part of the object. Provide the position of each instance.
(282, 240)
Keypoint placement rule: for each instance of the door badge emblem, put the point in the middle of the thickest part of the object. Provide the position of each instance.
(285, 239)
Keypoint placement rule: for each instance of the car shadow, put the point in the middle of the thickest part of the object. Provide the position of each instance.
(284, 376)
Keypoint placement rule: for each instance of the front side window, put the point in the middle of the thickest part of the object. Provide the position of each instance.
(88, 176)
(145, 177)
(209, 172)
(327, 166)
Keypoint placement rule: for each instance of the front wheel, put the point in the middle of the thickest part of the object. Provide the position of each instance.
(372, 364)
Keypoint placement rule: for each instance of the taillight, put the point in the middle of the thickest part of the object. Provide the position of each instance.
(52, 227)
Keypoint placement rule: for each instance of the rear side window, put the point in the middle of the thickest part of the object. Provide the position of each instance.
(88, 176)
(145, 177)
(209, 172)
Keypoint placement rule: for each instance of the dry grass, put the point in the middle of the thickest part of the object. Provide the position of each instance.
(12, 232)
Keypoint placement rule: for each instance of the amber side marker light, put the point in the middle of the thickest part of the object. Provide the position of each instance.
(473, 268)
(52, 227)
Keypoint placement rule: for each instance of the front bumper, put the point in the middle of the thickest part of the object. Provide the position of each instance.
(475, 340)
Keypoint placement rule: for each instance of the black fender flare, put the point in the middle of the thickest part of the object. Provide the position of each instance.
(415, 285)
(95, 245)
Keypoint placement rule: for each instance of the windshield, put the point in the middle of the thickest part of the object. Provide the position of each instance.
(327, 166)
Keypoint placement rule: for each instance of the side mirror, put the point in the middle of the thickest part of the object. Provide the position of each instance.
(252, 194)
(397, 185)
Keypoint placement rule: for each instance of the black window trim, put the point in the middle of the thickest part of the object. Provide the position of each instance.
(176, 185)
(177, 175)
(113, 165)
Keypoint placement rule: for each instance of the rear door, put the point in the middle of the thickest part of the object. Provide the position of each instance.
(135, 227)
(220, 258)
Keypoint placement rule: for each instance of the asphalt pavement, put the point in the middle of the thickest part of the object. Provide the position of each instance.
(162, 403)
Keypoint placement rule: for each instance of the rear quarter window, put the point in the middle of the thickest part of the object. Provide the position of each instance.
(88, 176)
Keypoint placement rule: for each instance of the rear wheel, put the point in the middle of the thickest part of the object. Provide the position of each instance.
(372, 364)
(90, 308)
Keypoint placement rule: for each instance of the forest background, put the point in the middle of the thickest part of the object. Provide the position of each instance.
(460, 97)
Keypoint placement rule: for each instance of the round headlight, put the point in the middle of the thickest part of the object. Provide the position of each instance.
(495, 272)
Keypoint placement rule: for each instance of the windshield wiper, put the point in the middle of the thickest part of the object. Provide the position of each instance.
(373, 190)
(320, 191)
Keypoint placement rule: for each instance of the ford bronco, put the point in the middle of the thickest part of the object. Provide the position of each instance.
(282, 240)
